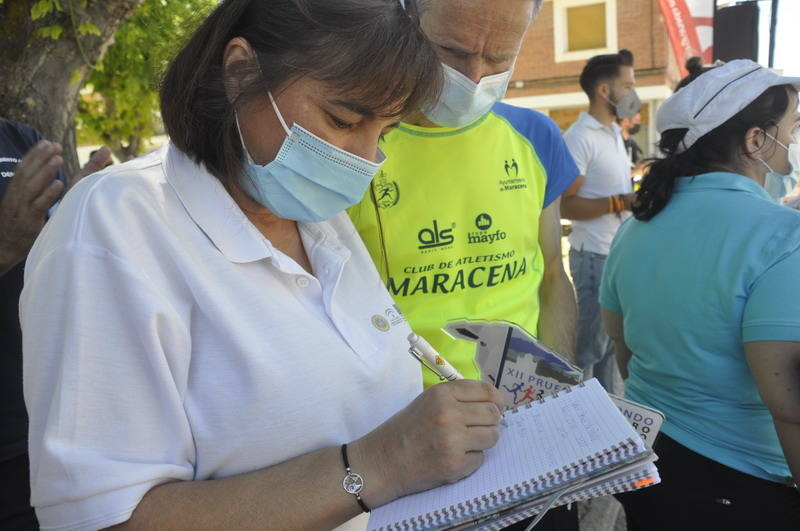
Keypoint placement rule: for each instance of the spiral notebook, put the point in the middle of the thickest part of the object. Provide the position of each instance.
(575, 444)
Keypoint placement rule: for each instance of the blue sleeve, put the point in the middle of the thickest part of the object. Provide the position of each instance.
(544, 135)
(772, 311)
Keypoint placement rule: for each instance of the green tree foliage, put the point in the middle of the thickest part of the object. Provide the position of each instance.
(48, 48)
(119, 104)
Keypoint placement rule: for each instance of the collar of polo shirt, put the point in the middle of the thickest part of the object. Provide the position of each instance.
(592, 123)
(216, 213)
(720, 180)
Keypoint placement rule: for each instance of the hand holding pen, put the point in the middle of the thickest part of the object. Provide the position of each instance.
(440, 437)
(432, 360)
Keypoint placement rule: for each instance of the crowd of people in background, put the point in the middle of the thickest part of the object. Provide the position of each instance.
(162, 320)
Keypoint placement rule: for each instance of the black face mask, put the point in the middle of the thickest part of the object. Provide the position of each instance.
(634, 129)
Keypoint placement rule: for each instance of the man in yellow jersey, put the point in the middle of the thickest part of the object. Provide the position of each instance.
(463, 220)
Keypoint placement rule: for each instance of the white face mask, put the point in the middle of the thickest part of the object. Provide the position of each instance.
(463, 101)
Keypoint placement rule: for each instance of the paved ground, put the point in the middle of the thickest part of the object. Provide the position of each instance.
(601, 514)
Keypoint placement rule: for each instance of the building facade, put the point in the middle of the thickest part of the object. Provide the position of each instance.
(566, 33)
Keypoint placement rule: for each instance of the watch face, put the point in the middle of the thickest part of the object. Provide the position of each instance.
(353, 483)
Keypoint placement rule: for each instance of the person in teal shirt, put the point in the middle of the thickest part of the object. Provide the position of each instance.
(701, 296)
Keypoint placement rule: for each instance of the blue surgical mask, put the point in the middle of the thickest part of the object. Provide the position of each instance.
(776, 184)
(463, 101)
(310, 179)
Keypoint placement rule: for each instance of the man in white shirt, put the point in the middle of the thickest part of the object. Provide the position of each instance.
(600, 198)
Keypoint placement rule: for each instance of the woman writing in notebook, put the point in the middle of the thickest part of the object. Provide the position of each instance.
(700, 295)
(203, 327)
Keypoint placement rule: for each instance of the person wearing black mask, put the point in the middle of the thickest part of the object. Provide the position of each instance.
(630, 127)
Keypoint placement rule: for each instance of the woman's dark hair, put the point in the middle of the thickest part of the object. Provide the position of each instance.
(603, 68)
(694, 65)
(717, 150)
(370, 49)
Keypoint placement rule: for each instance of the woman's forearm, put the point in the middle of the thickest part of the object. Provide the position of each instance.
(775, 366)
(438, 438)
(789, 436)
(302, 493)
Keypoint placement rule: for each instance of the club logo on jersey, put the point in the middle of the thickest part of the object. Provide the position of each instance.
(484, 222)
(387, 193)
(511, 180)
(511, 168)
(433, 236)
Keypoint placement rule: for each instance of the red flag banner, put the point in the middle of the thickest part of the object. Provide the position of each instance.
(690, 25)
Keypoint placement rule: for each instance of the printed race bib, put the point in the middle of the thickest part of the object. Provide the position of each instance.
(645, 420)
(512, 360)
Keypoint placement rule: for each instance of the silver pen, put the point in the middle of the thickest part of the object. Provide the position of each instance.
(429, 358)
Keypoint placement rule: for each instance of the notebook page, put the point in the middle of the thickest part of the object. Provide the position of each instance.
(538, 440)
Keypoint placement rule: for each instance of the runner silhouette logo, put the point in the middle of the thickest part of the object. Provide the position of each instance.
(386, 192)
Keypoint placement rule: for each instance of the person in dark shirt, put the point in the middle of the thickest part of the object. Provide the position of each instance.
(631, 126)
(31, 182)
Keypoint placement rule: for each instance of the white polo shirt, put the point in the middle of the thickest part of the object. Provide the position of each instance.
(166, 339)
(600, 154)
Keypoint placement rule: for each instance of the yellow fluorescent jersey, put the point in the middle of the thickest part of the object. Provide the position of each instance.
(452, 222)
